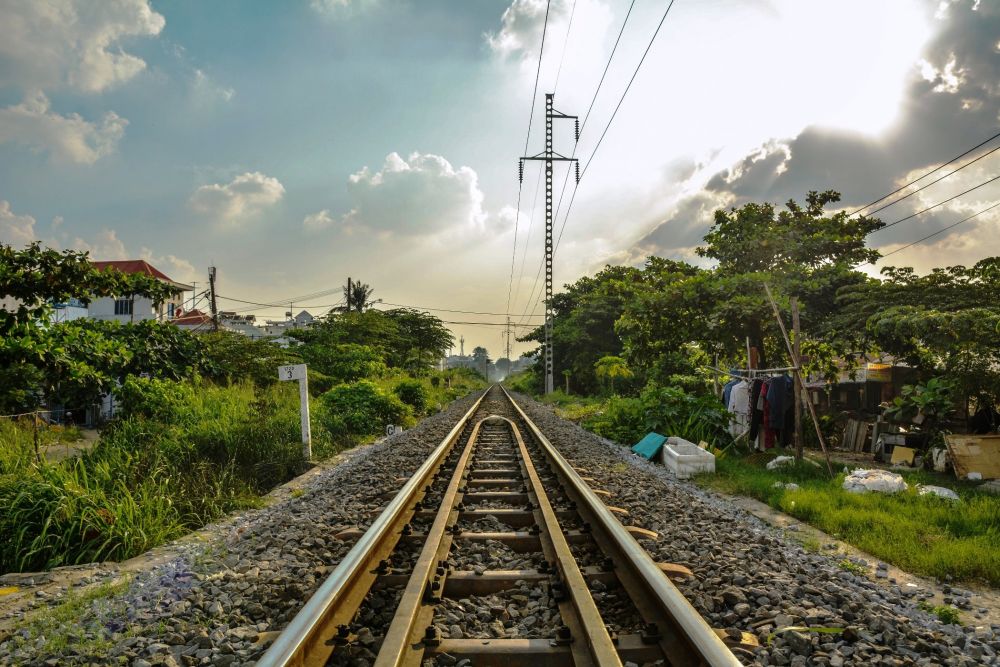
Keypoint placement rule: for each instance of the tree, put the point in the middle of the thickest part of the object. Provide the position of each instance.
(358, 296)
(612, 368)
(72, 361)
(481, 361)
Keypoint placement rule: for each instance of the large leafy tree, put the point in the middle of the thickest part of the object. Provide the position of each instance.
(73, 361)
(946, 322)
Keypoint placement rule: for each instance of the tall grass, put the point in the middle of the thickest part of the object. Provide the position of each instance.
(922, 534)
(166, 468)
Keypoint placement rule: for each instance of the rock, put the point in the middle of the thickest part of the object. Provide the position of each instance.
(939, 491)
(877, 481)
(780, 462)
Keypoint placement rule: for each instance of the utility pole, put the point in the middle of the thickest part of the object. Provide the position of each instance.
(211, 291)
(508, 338)
(797, 345)
(548, 156)
(348, 294)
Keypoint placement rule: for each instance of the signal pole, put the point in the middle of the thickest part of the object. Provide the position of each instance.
(548, 156)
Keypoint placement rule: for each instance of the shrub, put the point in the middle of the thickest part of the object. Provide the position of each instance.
(435, 381)
(360, 409)
(412, 393)
(666, 410)
(162, 400)
(319, 383)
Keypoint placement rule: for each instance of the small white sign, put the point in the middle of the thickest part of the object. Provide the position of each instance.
(392, 429)
(293, 372)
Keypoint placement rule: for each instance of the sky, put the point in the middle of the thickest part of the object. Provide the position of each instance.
(294, 144)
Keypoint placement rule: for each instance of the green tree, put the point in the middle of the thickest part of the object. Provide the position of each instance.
(359, 296)
(612, 368)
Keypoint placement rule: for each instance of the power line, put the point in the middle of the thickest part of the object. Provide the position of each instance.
(913, 215)
(937, 180)
(527, 139)
(941, 231)
(446, 310)
(920, 178)
(583, 126)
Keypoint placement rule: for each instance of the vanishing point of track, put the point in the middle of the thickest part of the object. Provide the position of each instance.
(496, 466)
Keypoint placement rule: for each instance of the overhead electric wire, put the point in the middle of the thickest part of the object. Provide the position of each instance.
(527, 139)
(940, 203)
(936, 180)
(447, 310)
(583, 126)
(940, 231)
(925, 175)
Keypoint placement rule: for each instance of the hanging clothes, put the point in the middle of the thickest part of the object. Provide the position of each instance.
(769, 432)
(757, 413)
(727, 390)
(739, 408)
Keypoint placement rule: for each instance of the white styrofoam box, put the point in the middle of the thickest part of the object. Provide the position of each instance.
(685, 458)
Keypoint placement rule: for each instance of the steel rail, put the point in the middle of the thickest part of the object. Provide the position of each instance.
(398, 644)
(311, 627)
(696, 640)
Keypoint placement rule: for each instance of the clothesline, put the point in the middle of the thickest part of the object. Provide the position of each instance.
(745, 371)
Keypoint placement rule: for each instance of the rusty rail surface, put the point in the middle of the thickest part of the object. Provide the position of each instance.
(673, 630)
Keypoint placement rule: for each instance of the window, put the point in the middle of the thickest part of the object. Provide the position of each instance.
(123, 306)
(171, 310)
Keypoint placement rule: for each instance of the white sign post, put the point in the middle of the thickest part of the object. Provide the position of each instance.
(298, 372)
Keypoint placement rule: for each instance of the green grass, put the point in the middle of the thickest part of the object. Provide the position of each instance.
(920, 534)
(945, 613)
(57, 627)
(851, 566)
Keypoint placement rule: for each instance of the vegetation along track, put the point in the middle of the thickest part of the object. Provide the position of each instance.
(496, 551)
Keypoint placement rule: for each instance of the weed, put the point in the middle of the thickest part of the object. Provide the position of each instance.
(851, 566)
(297, 493)
(810, 544)
(947, 614)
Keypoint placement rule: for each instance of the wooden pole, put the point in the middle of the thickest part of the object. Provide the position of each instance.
(798, 379)
(797, 364)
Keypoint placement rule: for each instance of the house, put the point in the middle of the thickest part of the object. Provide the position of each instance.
(192, 320)
(132, 308)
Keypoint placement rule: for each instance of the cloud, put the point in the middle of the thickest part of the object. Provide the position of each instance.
(317, 221)
(245, 196)
(66, 138)
(204, 88)
(338, 8)
(423, 194)
(950, 102)
(106, 246)
(15, 230)
(74, 44)
(176, 267)
(521, 26)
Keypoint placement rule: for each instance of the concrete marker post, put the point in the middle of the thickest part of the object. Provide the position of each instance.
(298, 372)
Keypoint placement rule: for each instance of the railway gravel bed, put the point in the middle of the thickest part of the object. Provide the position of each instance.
(220, 602)
(750, 578)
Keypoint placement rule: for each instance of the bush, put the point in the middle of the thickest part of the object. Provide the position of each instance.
(412, 393)
(360, 409)
(160, 400)
(319, 383)
(666, 410)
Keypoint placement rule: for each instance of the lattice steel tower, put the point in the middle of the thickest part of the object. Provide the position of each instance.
(548, 156)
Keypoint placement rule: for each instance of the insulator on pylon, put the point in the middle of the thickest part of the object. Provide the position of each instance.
(578, 171)
(520, 171)
(578, 129)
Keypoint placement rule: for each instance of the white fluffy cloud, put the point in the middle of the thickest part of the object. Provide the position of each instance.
(67, 138)
(419, 195)
(338, 8)
(73, 43)
(176, 267)
(521, 26)
(15, 230)
(106, 246)
(246, 195)
(318, 220)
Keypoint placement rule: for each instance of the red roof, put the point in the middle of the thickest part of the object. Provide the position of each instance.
(192, 317)
(137, 266)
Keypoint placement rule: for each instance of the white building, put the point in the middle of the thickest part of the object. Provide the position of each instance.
(131, 308)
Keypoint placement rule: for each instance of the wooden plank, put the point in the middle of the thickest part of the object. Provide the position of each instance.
(975, 453)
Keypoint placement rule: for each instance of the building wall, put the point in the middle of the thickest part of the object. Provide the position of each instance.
(142, 309)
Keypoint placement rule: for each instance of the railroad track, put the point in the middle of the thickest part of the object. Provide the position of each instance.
(496, 551)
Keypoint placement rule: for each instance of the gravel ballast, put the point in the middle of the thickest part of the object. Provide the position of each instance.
(220, 601)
